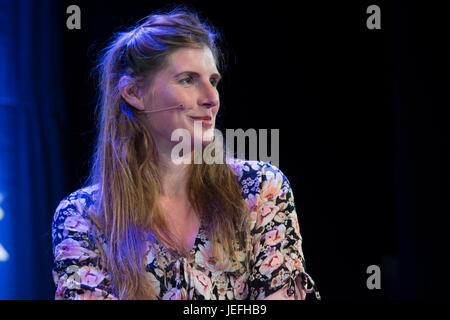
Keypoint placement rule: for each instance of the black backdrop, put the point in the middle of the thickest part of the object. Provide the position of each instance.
(362, 116)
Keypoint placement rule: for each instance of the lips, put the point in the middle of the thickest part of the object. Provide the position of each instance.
(206, 120)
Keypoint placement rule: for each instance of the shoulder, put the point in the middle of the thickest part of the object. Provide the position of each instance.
(267, 193)
(257, 175)
(72, 211)
(79, 200)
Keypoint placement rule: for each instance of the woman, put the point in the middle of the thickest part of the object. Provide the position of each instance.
(145, 227)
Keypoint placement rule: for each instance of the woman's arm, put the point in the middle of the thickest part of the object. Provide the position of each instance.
(78, 272)
(278, 271)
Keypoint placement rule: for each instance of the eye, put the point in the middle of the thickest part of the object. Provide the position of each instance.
(214, 82)
(186, 80)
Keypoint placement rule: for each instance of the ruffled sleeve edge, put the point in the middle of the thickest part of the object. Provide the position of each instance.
(305, 283)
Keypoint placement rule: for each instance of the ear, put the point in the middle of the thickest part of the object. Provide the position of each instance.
(131, 93)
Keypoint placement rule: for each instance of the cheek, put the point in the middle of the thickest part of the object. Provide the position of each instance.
(165, 124)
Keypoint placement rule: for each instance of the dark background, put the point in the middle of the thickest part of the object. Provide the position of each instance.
(362, 116)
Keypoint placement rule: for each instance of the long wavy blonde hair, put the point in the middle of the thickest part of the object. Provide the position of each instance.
(124, 164)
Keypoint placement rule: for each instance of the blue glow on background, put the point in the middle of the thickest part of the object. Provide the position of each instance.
(7, 267)
(4, 255)
(7, 151)
(32, 117)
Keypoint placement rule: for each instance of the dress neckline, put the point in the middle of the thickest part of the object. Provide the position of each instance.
(175, 253)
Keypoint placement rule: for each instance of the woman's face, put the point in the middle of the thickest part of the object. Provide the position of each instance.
(190, 78)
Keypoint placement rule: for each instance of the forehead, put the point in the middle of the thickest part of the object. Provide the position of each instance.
(200, 60)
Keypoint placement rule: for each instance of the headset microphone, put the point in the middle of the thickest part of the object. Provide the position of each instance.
(180, 106)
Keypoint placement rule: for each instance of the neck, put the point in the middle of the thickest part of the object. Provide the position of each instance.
(174, 198)
(173, 177)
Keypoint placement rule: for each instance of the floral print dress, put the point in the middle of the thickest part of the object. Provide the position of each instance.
(276, 260)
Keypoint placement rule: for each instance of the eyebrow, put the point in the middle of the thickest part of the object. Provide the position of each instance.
(198, 75)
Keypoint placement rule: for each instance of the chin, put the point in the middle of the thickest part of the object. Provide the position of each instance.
(206, 137)
(206, 142)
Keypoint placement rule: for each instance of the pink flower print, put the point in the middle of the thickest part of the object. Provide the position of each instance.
(202, 284)
(172, 294)
(256, 246)
(280, 216)
(270, 189)
(205, 258)
(240, 287)
(90, 276)
(275, 236)
(60, 288)
(76, 223)
(266, 213)
(273, 261)
(294, 264)
(71, 249)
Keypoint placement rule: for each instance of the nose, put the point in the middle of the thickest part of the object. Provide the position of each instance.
(209, 97)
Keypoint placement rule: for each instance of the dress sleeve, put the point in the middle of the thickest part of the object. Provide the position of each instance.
(78, 273)
(278, 260)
